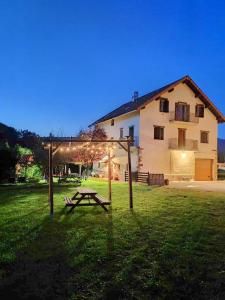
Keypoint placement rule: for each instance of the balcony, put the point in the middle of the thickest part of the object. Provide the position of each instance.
(191, 119)
(190, 145)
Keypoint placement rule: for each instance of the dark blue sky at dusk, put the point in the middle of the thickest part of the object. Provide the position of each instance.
(63, 64)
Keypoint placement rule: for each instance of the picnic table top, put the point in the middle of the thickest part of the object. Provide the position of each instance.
(86, 191)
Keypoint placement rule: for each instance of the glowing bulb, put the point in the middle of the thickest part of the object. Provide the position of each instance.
(67, 149)
(183, 154)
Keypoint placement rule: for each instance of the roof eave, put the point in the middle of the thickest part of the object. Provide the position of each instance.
(98, 122)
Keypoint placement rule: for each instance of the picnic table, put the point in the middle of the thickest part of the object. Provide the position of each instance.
(70, 178)
(86, 197)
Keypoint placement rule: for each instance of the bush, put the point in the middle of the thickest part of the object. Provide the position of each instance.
(31, 172)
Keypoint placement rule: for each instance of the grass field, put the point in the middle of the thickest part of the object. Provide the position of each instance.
(171, 246)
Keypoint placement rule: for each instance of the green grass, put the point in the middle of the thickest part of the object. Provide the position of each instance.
(171, 246)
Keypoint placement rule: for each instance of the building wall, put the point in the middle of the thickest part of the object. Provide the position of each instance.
(156, 157)
(124, 121)
(119, 162)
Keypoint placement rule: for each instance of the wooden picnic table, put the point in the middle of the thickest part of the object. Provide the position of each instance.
(86, 197)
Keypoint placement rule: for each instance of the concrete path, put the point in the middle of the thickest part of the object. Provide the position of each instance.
(211, 186)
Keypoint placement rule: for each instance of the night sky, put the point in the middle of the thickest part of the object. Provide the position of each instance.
(63, 64)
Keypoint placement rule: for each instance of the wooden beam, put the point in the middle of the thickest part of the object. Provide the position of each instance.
(109, 176)
(122, 146)
(78, 140)
(50, 183)
(130, 174)
(56, 149)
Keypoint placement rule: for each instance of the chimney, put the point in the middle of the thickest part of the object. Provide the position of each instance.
(135, 96)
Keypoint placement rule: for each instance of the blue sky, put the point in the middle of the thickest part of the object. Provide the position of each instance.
(65, 63)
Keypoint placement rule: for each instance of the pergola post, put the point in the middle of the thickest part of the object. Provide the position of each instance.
(50, 178)
(129, 174)
(109, 176)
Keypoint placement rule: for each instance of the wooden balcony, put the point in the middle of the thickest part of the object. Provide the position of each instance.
(191, 119)
(189, 145)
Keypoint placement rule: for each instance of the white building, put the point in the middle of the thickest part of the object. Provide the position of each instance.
(175, 133)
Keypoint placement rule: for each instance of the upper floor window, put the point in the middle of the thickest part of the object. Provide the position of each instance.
(112, 122)
(182, 112)
(199, 110)
(121, 133)
(158, 133)
(204, 137)
(164, 105)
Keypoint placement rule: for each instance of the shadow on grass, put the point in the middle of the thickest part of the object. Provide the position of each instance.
(41, 270)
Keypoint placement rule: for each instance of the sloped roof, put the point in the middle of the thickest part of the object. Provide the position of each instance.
(136, 105)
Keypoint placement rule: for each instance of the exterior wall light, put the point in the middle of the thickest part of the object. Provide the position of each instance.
(183, 155)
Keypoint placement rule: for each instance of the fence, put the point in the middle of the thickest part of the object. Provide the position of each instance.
(146, 177)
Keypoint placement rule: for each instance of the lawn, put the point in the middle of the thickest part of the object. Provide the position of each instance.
(171, 246)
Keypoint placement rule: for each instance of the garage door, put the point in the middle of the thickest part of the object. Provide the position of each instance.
(203, 169)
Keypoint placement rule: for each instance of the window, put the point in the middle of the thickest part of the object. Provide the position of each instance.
(131, 133)
(121, 133)
(99, 165)
(182, 112)
(158, 133)
(204, 137)
(112, 122)
(164, 105)
(199, 110)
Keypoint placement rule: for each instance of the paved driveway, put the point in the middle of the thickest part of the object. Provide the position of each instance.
(212, 186)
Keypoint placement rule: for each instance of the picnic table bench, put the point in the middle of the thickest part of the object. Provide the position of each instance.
(86, 197)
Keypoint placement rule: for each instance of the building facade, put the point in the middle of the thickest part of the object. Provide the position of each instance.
(174, 130)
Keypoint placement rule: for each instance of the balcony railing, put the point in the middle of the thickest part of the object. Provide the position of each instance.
(189, 145)
(191, 118)
(136, 141)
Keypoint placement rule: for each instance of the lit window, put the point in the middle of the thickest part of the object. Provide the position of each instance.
(204, 137)
(158, 133)
(199, 110)
(164, 105)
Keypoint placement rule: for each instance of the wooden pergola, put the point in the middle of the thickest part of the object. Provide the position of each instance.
(53, 144)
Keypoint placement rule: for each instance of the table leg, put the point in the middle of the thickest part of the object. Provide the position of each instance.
(75, 204)
(74, 196)
(99, 203)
